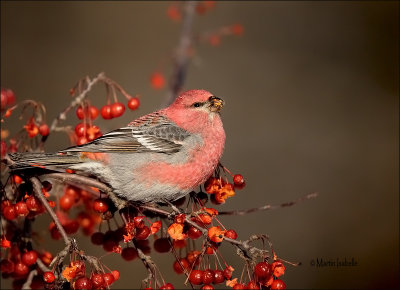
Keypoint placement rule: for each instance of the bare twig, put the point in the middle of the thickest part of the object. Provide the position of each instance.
(268, 206)
(77, 100)
(27, 284)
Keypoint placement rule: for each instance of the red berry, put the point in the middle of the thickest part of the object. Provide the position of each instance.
(3, 99)
(71, 227)
(34, 204)
(240, 286)
(207, 287)
(80, 113)
(49, 277)
(208, 276)
(20, 269)
(252, 285)
(6, 266)
(129, 253)
(278, 284)
(117, 109)
(180, 267)
(194, 233)
(116, 274)
(167, 286)
(44, 129)
(108, 279)
(237, 29)
(196, 277)
(97, 238)
(21, 209)
(143, 233)
(97, 281)
(105, 112)
(66, 202)
(238, 179)
(3, 148)
(9, 212)
(218, 277)
(133, 103)
(29, 258)
(100, 205)
(263, 270)
(228, 272)
(93, 112)
(81, 129)
(231, 234)
(83, 283)
(10, 97)
(157, 80)
(162, 245)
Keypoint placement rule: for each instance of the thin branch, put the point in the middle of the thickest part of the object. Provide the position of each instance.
(77, 100)
(268, 206)
(27, 284)
(37, 189)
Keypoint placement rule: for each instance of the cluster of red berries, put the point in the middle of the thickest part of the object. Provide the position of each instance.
(220, 190)
(175, 14)
(117, 109)
(20, 261)
(7, 98)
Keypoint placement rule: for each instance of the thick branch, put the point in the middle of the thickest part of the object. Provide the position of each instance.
(181, 57)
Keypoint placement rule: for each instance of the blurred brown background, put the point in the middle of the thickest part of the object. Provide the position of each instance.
(312, 105)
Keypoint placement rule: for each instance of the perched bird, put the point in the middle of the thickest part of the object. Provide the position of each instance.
(160, 156)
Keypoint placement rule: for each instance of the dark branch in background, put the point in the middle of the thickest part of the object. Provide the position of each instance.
(269, 206)
(181, 54)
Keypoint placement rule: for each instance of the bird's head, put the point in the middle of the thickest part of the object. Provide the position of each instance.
(198, 106)
(199, 100)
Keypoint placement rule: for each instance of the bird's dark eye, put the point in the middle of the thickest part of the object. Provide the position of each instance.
(196, 105)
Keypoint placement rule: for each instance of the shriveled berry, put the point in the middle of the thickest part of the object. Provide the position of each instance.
(143, 233)
(278, 284)
(49, 277)
(29, 258)
(133, 103)
(231, 234)
(117, 109)
(83, 283)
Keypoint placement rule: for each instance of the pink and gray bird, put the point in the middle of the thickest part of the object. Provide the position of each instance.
(160, 156)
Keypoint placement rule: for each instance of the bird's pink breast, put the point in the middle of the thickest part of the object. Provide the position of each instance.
(200, 164)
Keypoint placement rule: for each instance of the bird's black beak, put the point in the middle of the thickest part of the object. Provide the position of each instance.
(215, 104)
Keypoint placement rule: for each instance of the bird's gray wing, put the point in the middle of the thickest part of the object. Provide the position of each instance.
(151, 133)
